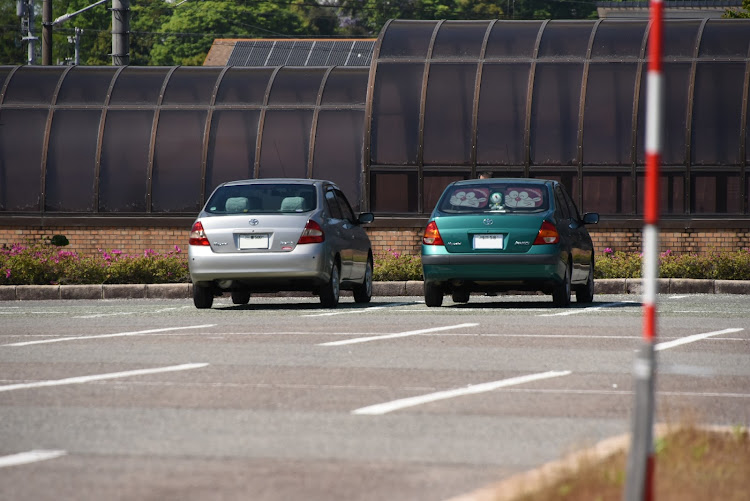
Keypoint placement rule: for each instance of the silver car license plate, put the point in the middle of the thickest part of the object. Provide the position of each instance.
(259, 241)
(488, 241)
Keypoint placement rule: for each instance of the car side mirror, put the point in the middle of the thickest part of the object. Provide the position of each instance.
(366, 217)
(591, 218)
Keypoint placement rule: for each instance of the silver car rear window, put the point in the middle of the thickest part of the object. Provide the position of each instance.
(263, 199)
(496, 197)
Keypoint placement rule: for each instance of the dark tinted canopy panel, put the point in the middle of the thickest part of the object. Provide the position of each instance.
(406, 39)
(395, 113)
(21, 147)
(448, 128)
(460, 39)
(565, 39)
(191, 85)
(346, 86)
(123, 170)
(138, 85)
(71, 171)
(608, 114)
(285, 146)
(176, 176)
(619, 39)
(231, 153)
(244, 86)
(513, 39)
(728, 38)
(33, 85)
(717, 113)
(86, 87)
(501, 119)
(296, 86)
(338, 150)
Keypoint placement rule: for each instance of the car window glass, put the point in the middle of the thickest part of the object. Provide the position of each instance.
(333, 205)
(346, 209)
(262, 198)
(562, 206)
(571, 206)
(495, 197)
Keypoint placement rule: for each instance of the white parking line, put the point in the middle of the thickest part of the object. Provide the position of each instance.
(100, 377)
(693, 338)
(587, 309)
(102, 336)
(395, 405)
(396, 335)
(100, 315)
(359, 310)
(29, 457)
(678, 297)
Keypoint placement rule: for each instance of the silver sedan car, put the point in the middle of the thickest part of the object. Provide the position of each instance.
(272, 235)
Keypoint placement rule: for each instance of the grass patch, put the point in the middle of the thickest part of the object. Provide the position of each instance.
(691, 464)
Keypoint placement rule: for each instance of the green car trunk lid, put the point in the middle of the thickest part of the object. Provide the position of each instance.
(462, 234)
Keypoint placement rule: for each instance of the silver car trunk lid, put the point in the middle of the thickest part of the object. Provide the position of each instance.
(254, 233)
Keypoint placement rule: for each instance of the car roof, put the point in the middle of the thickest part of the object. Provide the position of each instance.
(277, 180)
(525, 180)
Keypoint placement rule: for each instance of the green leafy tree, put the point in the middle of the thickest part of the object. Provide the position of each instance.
(146, 19)
(188, 34)
(12, 49)
(740, 13)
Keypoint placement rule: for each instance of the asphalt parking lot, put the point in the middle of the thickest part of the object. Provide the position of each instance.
(281, 399)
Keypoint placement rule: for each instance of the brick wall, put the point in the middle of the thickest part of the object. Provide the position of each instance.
(134, 240)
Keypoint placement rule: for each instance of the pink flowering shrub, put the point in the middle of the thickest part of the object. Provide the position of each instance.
(393, 265)
(39, 263)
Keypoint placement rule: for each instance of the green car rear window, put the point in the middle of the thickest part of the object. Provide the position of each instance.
(497, 197)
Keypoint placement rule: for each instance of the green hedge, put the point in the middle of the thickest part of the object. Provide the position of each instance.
(42, 263)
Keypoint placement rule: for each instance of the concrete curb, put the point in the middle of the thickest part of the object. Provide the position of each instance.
(395, 288)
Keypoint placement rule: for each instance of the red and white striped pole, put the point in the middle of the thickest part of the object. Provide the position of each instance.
(639, 486)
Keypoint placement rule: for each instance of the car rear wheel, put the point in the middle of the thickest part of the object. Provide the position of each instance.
(586, 293)
(433, 295)
(561, 293)
(203, 297)
(240, 297)
(363, 291)
(329, 294)
(460, 297)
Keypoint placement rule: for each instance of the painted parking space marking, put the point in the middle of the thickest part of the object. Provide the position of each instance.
(589, 309)
(102, 336)
(386, 407)
(694, 338)
(30, 457)
(162, 310)
(100, 377)
(396, 335)
(359, 310)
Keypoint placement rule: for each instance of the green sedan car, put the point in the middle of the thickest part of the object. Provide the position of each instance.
(501, 234)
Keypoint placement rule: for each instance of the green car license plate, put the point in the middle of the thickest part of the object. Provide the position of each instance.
(488, 241)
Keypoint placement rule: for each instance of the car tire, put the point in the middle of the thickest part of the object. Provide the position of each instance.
(330, 292)
(203, 297)
(433, 295)
(460, 296)
(585, 294)
(240, 297)
(561, 293)
(363, 291)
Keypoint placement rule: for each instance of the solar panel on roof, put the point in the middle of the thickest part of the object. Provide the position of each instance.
(339, 53)
(319, 53)
(301, 53)
(298, 54)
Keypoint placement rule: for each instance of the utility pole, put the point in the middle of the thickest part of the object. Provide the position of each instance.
(120, 32)
(25, 10)
(47, 32)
